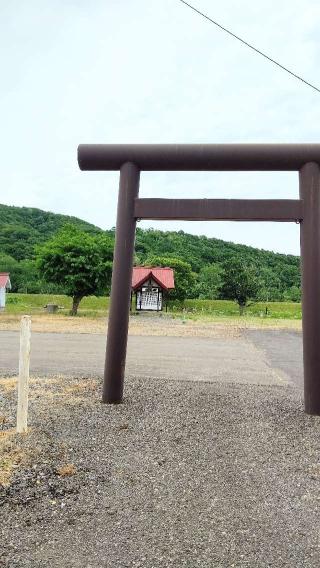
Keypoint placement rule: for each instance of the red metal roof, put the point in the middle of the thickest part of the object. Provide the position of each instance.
(163, 276)
(5, 280)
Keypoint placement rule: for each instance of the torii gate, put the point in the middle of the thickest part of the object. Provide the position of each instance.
(130, 159)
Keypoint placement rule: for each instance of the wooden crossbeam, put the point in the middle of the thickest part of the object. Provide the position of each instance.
(219, 209)
(198, 157)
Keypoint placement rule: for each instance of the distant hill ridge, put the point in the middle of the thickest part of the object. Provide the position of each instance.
(21, 228)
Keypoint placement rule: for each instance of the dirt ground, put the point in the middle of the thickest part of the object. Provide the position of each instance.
(150, 325)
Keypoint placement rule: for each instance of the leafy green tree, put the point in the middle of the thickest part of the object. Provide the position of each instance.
(270, 290)
(209, 282)
(290, 276)
(80, 262)
(9, 264)
(31, 281)
(184, 278)
(293, 294)
(240, 282)
(25, 277)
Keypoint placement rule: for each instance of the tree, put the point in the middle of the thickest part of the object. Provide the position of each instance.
(184, 278)
(9, 264)
(290, 276)
(25, 277)
(270, 290)
(80, 262)
(209, 282)
(240, 282)
(293, 294)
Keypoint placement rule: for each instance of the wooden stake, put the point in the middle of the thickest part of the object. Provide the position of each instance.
(23, 381)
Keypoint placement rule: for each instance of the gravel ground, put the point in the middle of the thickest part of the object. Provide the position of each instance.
(183, 474)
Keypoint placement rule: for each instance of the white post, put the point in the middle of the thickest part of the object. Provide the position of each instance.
(23, 380)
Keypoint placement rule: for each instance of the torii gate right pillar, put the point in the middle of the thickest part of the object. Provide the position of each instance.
(309, 180)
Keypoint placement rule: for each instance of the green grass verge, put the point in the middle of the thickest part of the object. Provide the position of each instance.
(93, 306)
(227, 308)
(34, 304)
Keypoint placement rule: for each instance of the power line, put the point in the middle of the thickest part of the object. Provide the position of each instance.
(249, 45)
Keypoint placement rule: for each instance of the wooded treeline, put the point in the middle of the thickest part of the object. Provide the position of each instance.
(200, 262)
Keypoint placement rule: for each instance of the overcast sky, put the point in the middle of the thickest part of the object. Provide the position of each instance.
(153, 71)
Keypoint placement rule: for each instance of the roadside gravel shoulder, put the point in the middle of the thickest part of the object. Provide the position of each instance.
(182, 474)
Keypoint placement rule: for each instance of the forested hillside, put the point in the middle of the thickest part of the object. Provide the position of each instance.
(201, 250)
(22, 228)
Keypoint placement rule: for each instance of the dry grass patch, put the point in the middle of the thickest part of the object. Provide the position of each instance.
(11, 455)
(78, 391)
(66, 470)
(17, 450)
(80, 387)
(8, 384)
(181, 328)
(154, 325)
(314, 470)
(37, 386)
(55, 323)
(63, 388)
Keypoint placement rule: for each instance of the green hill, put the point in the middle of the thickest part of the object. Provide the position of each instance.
(201, 250)
(22, 228)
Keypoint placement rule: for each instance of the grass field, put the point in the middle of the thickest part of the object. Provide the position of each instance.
(223, 308)
(91, 306)
(191, 309)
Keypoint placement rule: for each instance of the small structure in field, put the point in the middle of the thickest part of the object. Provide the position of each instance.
(150, 286)
(5, 285)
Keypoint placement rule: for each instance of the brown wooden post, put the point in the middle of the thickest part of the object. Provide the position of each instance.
(310, 263)
(121, 285)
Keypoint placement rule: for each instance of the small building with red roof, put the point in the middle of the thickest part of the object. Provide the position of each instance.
(5, 285)
(150, 285)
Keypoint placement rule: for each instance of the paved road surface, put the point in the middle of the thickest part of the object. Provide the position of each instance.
(283, 350)
(258, 357)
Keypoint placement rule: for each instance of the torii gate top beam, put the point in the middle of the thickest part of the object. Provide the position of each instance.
(198, 157)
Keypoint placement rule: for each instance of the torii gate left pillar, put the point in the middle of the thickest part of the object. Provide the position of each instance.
(121, 285)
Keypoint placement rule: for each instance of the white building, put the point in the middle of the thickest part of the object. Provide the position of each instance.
(5, 285)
